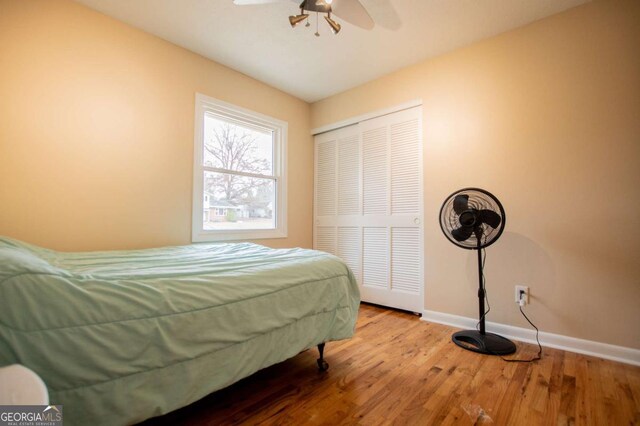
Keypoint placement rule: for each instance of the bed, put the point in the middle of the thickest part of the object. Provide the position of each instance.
(122, 336)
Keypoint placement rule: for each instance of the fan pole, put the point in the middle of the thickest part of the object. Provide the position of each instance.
(479, 340)
(480, 289)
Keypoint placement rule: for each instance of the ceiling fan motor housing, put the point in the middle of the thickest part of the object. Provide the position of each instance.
(316, 6)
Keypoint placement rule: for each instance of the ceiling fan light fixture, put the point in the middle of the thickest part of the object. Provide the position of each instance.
(297, 19)
(335, 27)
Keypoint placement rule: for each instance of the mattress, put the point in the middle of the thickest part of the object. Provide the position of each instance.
(122, 336)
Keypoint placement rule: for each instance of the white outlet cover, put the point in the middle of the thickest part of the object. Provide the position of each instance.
(526, 293)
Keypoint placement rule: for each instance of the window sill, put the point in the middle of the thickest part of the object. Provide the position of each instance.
(220, 236)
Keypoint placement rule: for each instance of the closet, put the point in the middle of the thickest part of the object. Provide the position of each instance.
(368, 205)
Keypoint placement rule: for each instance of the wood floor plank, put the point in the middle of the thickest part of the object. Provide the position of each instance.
(398, 370)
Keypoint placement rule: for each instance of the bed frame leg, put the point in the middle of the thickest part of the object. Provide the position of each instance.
(322, 364)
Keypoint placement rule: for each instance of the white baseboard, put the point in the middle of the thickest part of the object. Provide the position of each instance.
(571, 344)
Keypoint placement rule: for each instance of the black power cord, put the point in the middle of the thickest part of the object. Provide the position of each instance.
(539, 355)
(486, 296)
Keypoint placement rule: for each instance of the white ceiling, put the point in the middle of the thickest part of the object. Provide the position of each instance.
(258, 41)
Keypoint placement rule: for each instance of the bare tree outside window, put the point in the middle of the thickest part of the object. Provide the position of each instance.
(239, 197)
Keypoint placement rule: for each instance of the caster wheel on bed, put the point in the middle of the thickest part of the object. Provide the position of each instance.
(323, 365)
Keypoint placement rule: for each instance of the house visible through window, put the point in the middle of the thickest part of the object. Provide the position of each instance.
(239, 188)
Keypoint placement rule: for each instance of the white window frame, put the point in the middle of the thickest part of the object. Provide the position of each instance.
(224, 110)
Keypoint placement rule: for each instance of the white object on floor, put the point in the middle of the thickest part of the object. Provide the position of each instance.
(21, 386)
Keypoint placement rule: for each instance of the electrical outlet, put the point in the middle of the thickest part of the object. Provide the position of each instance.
(519, 290)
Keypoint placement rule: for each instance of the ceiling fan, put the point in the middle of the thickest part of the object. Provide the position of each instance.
(379, 12)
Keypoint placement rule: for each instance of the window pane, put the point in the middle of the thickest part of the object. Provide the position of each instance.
(232, 202)
(231, 146)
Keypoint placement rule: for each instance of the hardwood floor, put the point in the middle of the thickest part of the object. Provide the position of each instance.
(400, 370)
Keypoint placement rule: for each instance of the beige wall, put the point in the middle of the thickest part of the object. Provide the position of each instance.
(96, 134)
(96, 131)
(547, 117)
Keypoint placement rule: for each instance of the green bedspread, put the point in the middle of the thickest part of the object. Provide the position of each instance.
(122, 336)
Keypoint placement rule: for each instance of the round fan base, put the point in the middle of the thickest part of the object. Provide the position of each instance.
(488, 343)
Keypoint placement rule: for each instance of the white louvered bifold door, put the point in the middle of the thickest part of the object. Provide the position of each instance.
(337, 195)
(368, 205)
(392, 210)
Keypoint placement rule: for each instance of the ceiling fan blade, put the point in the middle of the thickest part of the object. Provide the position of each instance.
(250, 2)
(461, 203)
(383, 13)
(491, 218)
(353, 12)
(463, 233)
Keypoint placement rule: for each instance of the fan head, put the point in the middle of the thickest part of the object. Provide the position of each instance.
(472, 218)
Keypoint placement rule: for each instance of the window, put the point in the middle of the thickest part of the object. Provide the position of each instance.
(239, 187)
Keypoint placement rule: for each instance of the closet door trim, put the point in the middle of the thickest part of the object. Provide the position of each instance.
(359, 118)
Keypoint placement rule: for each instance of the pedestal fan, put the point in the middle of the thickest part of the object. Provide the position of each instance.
(473, 219)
